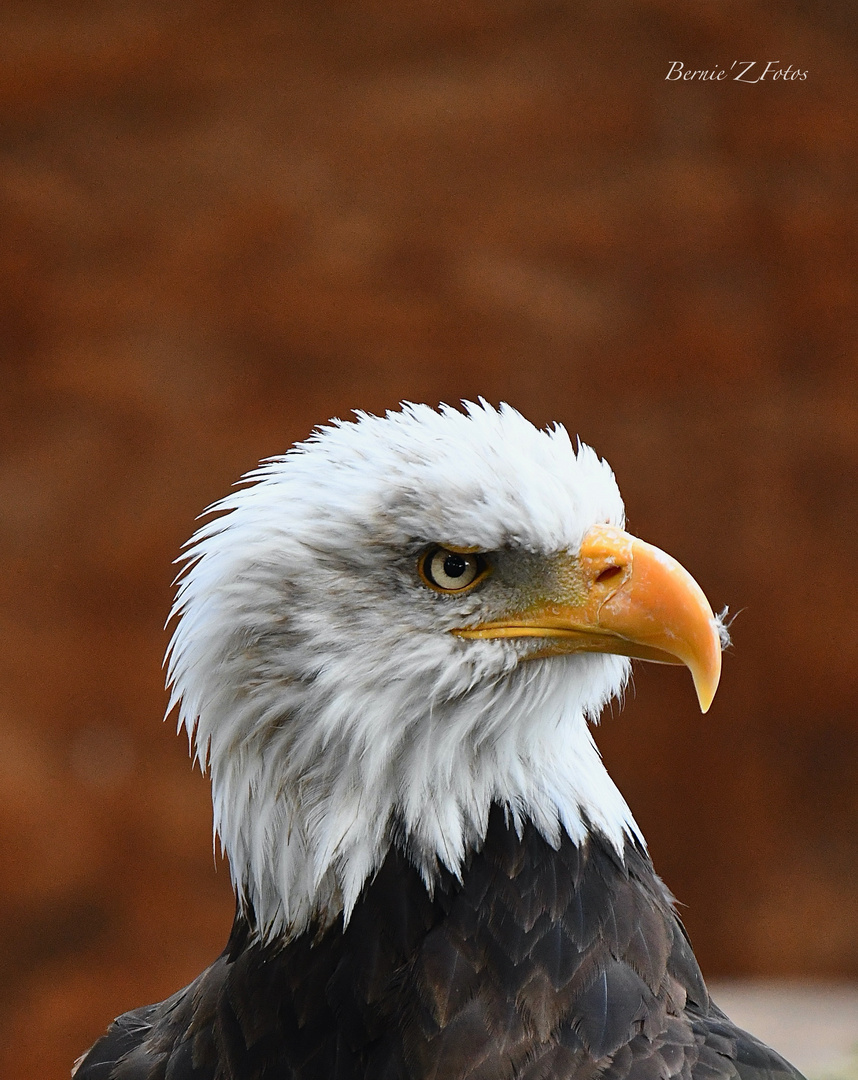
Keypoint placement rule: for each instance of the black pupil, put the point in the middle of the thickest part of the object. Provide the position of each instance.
(455, 565)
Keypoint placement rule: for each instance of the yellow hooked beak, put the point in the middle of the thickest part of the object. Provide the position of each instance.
(621, 595)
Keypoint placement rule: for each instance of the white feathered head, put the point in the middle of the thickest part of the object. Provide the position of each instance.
(400, 622)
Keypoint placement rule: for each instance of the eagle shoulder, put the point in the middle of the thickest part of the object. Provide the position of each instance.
(541, 963)
(172, 1040)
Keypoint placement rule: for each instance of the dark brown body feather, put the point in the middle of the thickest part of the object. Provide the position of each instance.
(538, 965)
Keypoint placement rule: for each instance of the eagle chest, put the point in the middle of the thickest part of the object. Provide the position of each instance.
(539, 962)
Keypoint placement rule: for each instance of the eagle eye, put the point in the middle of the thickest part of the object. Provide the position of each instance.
(449, 571)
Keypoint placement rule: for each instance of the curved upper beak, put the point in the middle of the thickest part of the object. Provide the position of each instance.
(622, 595)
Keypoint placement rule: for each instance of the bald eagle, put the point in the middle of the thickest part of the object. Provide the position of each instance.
(390, 644)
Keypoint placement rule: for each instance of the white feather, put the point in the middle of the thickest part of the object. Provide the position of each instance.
(317, 679)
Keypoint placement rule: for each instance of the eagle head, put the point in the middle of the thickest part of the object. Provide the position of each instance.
(400, 622)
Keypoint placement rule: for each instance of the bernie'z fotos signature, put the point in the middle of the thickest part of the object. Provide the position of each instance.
(747, 71)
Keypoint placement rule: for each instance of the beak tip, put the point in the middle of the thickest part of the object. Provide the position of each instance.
(706, 683)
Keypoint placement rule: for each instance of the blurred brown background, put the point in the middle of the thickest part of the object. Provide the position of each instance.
(221, 224)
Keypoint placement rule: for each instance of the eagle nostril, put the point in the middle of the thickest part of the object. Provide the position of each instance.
(608, 573)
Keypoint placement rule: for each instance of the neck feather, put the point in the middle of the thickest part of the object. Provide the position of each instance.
(308, 811)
